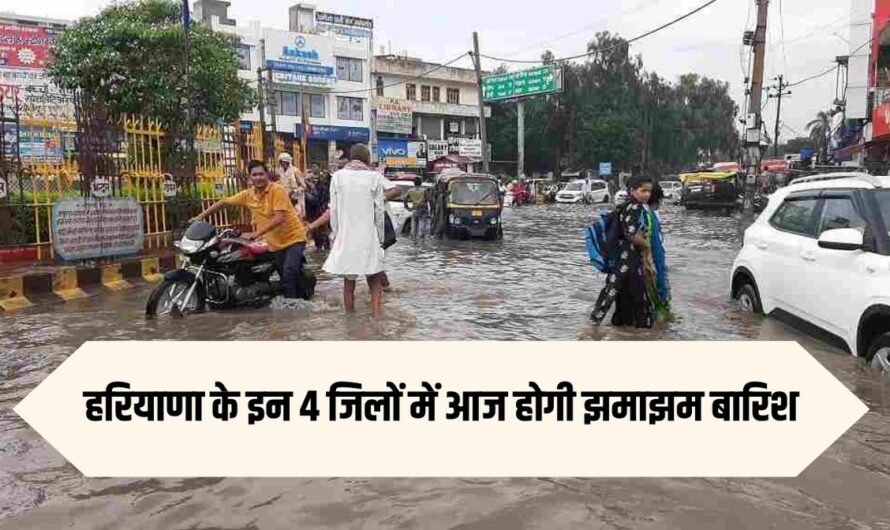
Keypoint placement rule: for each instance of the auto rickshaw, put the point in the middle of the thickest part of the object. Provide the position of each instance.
(722, 190)
(466, 205)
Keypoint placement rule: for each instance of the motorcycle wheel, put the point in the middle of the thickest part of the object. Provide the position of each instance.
(160, 302)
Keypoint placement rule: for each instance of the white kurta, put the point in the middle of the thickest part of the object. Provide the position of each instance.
(357, 211)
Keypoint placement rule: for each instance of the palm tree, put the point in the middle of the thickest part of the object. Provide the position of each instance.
(820, 130)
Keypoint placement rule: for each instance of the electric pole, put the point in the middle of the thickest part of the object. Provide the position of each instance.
(753, 120)
(478, 63)
(520, 113)
(779, 92)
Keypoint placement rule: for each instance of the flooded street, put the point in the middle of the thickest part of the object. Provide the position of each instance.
(535, 285)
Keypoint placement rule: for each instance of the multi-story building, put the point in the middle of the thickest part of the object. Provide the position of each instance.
(427, 109)
(320, 65)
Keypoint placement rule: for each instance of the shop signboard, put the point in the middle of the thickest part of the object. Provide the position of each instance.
(86, 228)
(401, 153)
(25, 45)
(300, 59)
(437, 149)
(331, 132)
(470, 148)
(394, 116)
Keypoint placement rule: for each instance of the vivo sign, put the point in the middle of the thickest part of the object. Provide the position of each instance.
(393, 151)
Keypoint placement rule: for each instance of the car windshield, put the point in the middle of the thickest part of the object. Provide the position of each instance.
(474, 192)
(572, 186)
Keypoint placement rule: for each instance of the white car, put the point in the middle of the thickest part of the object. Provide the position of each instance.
(400, 215)
(820, 251)
(671, 188)
(585, 191)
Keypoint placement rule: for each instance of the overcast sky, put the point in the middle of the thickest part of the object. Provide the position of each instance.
(709, 43)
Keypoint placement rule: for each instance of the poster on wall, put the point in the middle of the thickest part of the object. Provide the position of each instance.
(25, 45)
(394, 116)
(86, 228)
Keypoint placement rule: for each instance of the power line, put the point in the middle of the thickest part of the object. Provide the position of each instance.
(833, 68)
(638, 37)
(782, 28)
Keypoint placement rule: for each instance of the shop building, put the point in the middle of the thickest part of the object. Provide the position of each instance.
(424, 112)
(320, 65)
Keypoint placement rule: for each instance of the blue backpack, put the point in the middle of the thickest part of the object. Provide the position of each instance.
(603, 239)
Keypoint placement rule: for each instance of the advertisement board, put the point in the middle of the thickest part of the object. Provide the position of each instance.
(25, 45)
(85, 228)
(470, 148)
(300, 59)
(394, 116)
(401, 153)
(331, 132)
(437, 149)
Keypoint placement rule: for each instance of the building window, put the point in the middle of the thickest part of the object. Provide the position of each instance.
(349, 69)
(411, 92)
(316, 105)
(424, 93)
(288, 103)
(453, 95)
(243, 53)
(351, 109)
(379, 86)
(436, 94)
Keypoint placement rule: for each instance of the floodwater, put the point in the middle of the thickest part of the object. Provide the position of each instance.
(535, 285)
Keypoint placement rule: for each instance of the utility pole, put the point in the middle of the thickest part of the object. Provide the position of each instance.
(779, 92)
(478, 63)
(520, 113)
(261, 106)
(753, 133)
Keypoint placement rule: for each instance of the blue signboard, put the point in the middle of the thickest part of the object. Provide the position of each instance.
(392, 148)
(330, 132)
(605, 169)
(284, 66)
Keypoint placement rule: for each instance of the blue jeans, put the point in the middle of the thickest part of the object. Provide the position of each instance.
(420, 225)
(290, 264)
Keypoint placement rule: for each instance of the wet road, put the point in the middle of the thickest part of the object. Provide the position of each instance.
(535, 285)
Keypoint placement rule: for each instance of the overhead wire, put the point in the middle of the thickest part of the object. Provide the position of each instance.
(625, 43)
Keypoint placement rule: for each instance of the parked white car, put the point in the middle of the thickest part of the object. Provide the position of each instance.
(820, 251)
(585, 191)
(671, 188)
(401, 216)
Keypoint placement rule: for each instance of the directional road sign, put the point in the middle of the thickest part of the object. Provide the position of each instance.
(541, 80)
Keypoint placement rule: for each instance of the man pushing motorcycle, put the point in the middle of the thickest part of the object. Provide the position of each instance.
(275, 220)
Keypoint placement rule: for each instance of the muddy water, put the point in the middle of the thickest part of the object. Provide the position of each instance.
(535, 285)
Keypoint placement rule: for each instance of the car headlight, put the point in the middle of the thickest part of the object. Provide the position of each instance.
(494, 220)
(190, 246)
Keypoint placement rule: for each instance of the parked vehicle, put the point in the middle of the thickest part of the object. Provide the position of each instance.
(401, 217)
(672, 188)
(221, 270)
(466, 205)
(820, 252)
(584, 191)
(712, 190)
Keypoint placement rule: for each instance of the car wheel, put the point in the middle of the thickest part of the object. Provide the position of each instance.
(879, 353)
(748, 299)
(606, 199)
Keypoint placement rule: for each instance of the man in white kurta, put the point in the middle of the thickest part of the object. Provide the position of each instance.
(357, 227)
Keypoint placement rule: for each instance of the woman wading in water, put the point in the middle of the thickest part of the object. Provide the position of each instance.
(626, 284)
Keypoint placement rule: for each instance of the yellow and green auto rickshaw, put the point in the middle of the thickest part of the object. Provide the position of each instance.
(466, 205)
(723, 190)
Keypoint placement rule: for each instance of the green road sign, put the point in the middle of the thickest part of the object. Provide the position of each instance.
(541, 80)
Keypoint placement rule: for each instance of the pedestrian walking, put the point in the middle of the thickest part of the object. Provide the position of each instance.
(417, 201)
(658, 286)
(276, 221)
(356, 216)
(317, 199)
(292, 182)
(626, 281)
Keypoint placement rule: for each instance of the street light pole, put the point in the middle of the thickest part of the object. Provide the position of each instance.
(478, 63)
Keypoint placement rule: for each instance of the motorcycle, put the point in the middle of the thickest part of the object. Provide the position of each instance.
(220, 270)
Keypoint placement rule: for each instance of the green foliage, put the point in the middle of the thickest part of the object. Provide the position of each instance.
(611, 110)
(130, 56)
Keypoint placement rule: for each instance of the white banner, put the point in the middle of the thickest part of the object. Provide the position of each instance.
(470, 148)
(437, 148)
(468, 409)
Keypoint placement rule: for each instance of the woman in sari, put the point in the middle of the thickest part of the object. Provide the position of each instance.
(626, 282)
(657, 285)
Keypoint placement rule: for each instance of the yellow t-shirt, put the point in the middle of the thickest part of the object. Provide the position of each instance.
(262, 209)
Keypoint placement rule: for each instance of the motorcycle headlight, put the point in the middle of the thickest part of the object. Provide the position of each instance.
(190, 246)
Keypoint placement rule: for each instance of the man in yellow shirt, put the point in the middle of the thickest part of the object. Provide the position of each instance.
(276, 220)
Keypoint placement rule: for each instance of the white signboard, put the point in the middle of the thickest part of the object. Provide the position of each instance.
(437, 149)
(470, 148)
(394, 116)
(2, 189)
(92, 228)
(170, 188)
(299, 58)
(100, 187)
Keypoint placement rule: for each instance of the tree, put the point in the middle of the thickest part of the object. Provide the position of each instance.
(129, 57)
(820, 130)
